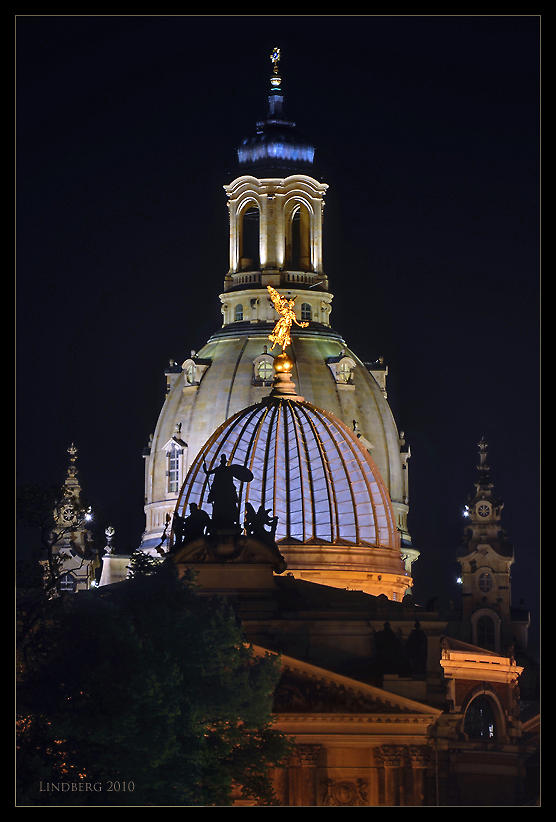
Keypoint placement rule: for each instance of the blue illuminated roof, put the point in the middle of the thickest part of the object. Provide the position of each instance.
(276, 143)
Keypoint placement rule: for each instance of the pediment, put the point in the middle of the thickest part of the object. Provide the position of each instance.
(230, 549)
(174, 442)
(308, 689)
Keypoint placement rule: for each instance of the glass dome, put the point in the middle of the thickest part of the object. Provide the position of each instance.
(308, 469)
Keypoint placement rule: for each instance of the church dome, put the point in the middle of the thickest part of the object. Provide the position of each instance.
(275, 231)
(336, 523)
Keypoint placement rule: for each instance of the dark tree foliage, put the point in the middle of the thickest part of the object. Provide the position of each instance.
(144, 693)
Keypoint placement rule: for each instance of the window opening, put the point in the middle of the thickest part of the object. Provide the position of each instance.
(68, 583)
(173, 471)
(485, 633)
(250, 240)
(264, 370)
(297, 241)
(479, 720)
(344, 372)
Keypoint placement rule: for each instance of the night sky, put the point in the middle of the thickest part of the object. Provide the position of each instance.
(427, 132)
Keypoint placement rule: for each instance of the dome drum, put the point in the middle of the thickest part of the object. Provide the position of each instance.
(252, 305)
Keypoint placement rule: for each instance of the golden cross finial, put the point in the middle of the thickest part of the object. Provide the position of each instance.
(275, 58)
(275, 80)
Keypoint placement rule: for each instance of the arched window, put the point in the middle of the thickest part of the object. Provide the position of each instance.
(342, 369)
(486, 636)
(298, 254)
(480, 721)
(68, 582)
(345, 371)
(306, 312)
(173, 470)
(249, 254)
(264, 370)
(238, 313)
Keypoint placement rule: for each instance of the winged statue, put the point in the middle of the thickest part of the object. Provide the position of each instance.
(285, 308)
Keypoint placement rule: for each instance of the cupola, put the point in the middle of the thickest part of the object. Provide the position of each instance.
(276, 146)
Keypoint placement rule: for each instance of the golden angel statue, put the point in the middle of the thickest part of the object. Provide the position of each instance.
(281, 331)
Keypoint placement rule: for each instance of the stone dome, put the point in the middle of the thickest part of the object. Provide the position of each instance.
(336, 523)
(233, 371)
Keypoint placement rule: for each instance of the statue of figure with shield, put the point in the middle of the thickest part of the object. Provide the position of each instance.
(223, 493)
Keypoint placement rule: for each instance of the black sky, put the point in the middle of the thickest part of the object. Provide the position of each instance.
(427, 132)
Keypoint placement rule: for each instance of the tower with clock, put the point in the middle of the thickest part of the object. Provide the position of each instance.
(486, 557)
(71, 540)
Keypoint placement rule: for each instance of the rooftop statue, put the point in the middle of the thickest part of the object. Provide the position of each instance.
(192, 527)
(256, 522)
(281, 331)
(223, 493)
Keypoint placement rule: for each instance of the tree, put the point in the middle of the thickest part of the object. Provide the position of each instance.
(150, 686)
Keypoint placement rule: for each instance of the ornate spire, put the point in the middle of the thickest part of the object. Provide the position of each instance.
(277, 144)
(275, 98)
(71, 484)
(483, 446)
(275, 80)
(483, 467)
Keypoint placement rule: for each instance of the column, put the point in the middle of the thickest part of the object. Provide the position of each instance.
(302, 775)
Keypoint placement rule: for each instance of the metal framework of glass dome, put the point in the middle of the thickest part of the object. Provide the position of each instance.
(308, 469)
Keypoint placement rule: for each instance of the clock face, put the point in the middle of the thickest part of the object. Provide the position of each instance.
(483, 510)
